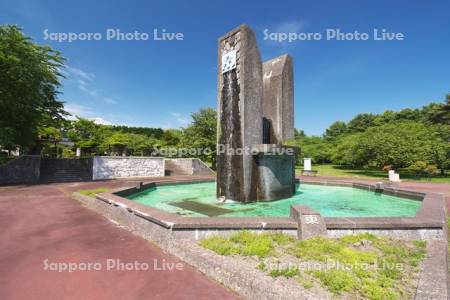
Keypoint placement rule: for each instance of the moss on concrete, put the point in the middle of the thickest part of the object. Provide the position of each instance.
(362, 266)
(93, 192)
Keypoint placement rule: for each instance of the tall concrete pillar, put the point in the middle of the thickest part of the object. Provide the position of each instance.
(240, 94)
(278, 102)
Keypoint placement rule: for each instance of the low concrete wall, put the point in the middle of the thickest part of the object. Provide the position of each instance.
(276, 175)
(192, 166)
(184, 164)
(429, 223)
(237, 274)
(433, 279)
(23, 170)
(108, 167)
(66, 169)
(200, 168)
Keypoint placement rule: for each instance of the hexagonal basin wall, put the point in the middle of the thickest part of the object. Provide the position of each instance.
(199, 200)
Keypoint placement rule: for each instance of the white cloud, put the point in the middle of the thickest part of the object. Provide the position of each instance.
(89, 91)
(85, 82)
(273, 47)
(109, 100)
(102, 121)
(180, 118)
(289, 26)
(174, 119)
(77, 110)
(80, 73)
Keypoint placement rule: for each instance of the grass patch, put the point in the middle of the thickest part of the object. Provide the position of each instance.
(343, 171)
(307, 284)
(286, 272)
(376, 290)
(324, 249)
(336, 281)
(362, 266)
(93, 192)
(246, 244)
(220, 245)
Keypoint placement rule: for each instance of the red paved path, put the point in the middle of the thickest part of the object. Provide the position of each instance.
(43, 222)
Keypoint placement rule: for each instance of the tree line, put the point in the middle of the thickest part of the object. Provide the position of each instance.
(33, 121)
(97, 139)
(408, 138)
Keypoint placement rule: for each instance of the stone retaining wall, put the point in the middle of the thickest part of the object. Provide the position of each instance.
(23, 170)
(109, 167)
(66, 169)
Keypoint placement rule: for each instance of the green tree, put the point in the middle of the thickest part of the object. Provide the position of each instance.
(29, 83)
(315, 147)
(201, 134)
(335, 130)
(441, 151)
(172, 137)
(118, 143)
(361, 122)
(418, 168)
(85, 134)
(49, 138)
(409, 114)
(398, 144)
(298, 133)
(441, 113)
(348, 152)
(142, 145)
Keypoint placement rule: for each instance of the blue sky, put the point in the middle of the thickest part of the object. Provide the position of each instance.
(160, 83)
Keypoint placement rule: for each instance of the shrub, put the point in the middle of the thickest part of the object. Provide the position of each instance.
(418, 168)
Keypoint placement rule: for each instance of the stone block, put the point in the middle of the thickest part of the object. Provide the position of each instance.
(310, 222)
(108, 167)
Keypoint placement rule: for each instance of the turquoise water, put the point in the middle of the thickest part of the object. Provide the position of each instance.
(199, 199)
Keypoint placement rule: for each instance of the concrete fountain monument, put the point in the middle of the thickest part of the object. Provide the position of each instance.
(255, 117)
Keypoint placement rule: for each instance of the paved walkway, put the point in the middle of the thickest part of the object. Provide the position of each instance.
(43, 222)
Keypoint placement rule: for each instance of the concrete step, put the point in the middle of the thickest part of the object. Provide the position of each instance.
(172, 169)
(54, 180)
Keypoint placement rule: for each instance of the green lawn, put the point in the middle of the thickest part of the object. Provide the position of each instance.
(342, 171)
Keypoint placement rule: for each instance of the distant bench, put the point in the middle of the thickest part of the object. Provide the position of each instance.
(309, 172)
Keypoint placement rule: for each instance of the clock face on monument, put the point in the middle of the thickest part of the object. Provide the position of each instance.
(228, 61)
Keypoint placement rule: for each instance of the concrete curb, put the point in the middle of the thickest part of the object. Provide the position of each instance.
(243, 278)
(434, 276)
(235, 274)
(428, 224)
